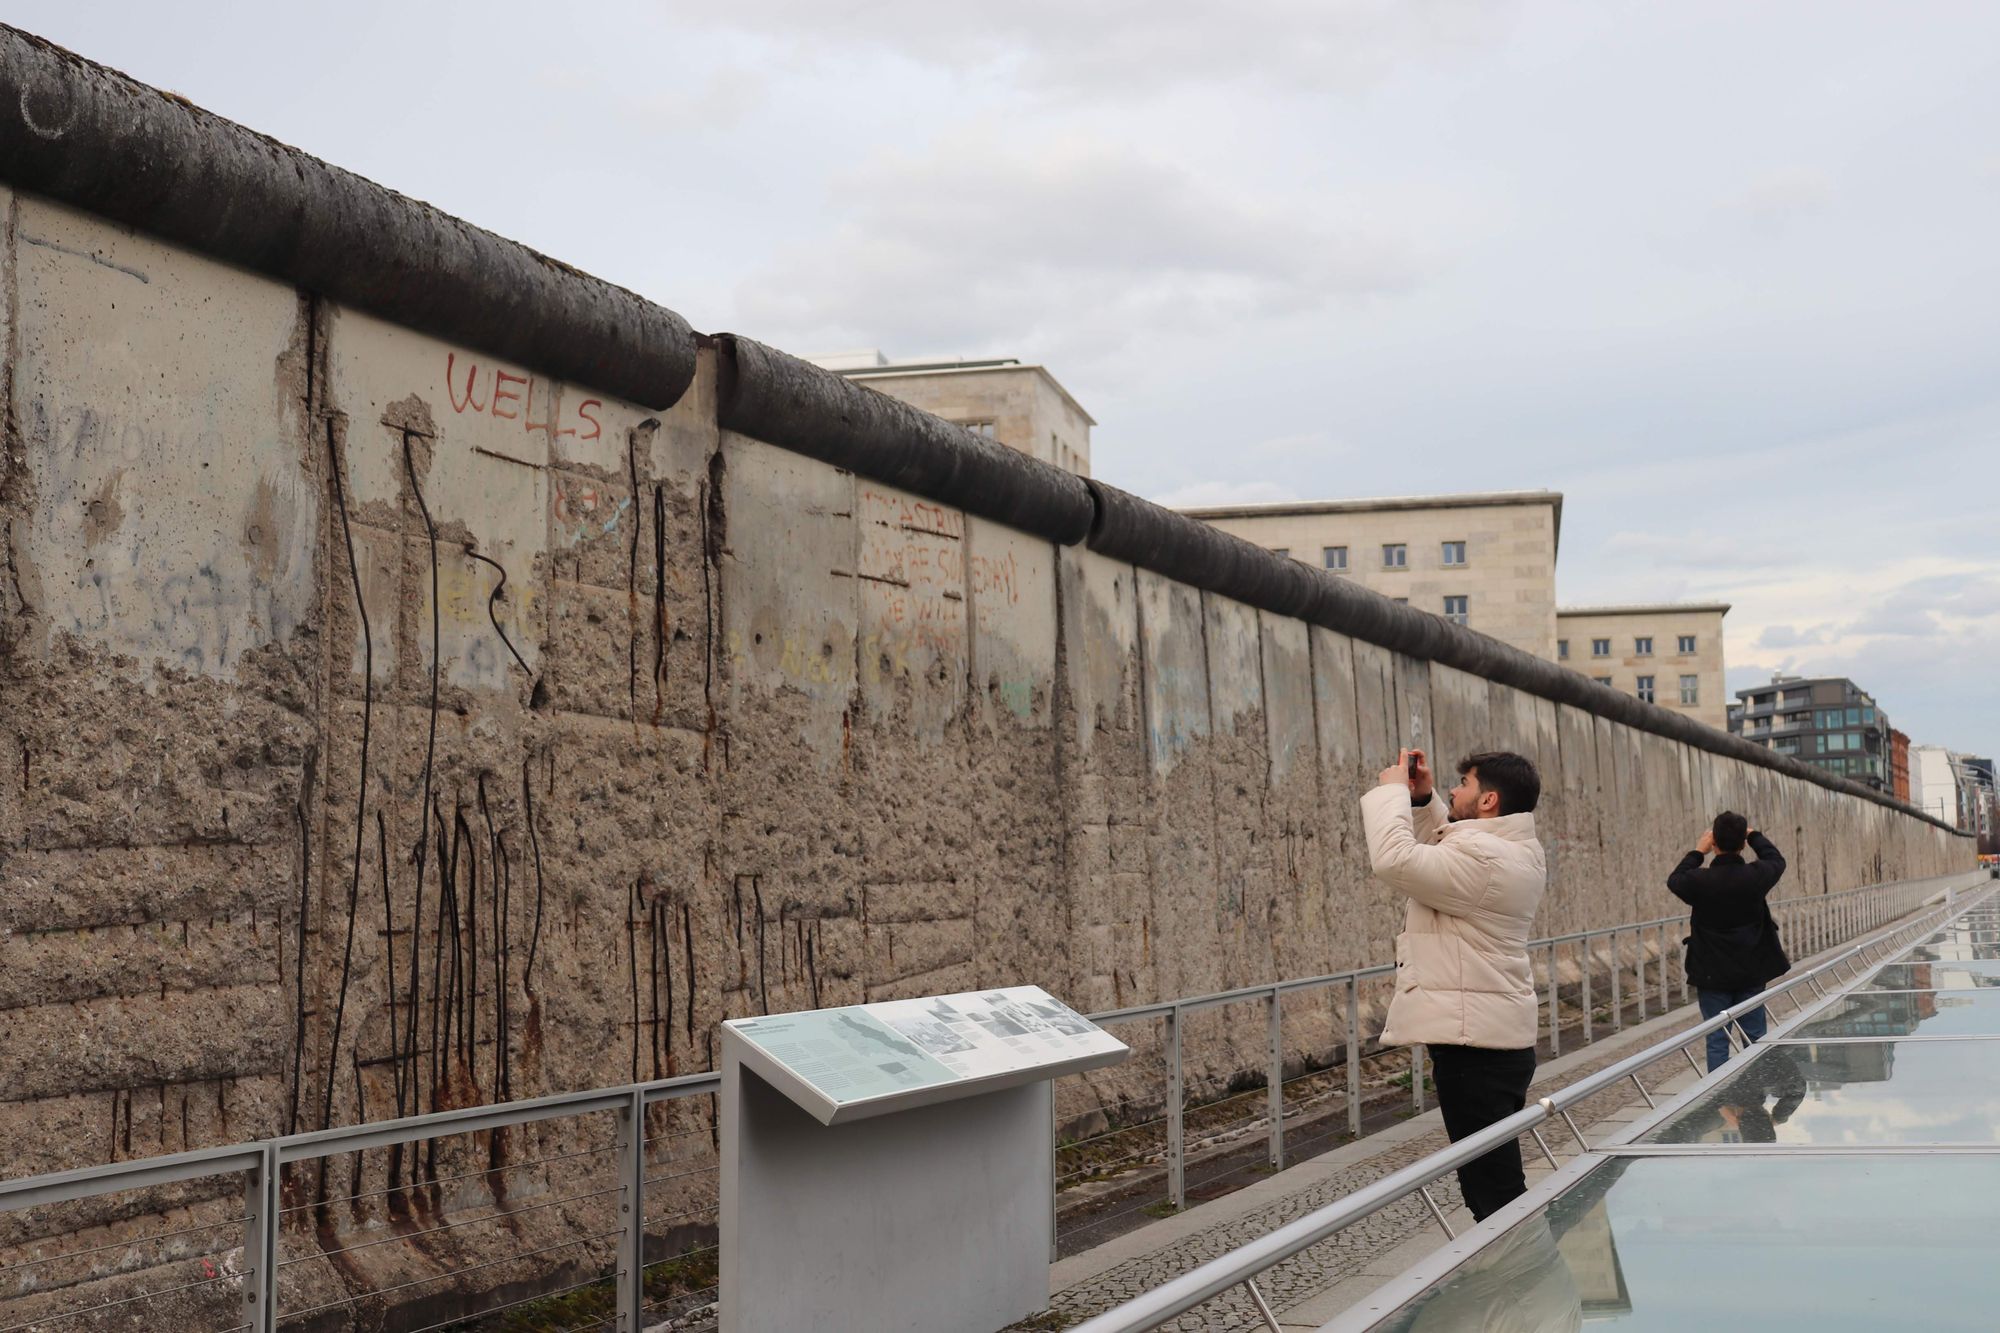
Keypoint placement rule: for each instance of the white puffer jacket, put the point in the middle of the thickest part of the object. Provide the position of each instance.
(1462, 974)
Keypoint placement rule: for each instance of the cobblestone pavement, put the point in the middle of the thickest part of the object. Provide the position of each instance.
(1312, 1271)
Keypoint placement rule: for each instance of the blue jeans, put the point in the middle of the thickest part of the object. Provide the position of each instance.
(1714, 1002)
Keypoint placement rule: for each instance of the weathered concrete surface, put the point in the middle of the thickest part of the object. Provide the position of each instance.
(385, 727)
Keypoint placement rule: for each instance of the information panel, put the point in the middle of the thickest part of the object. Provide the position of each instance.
(844, 1064)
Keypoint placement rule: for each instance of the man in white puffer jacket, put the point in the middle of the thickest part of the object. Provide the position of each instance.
(1474, 875)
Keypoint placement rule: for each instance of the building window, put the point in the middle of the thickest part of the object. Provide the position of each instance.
(1786, 745)
(1643, 647)
(1402, 601)
(1646, 689)
(1600, 647)
(1455, 609)
(1334, 556)
(1395, 555)
(1284, 551)
(1687, 644)
(1690, 689)
(1602, 680)
(1454, 554)
(1562, 650)
(979, 426)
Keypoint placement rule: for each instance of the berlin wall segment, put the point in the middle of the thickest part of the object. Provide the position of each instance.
(399, 726)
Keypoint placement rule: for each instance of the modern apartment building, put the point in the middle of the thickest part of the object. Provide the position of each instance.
(1021, 406)
(1828, 721)
(1668, 654)
(1957, 788)
(1486, 561)
(1979, 773)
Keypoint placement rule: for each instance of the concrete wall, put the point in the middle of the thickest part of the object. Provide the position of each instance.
(333, 650)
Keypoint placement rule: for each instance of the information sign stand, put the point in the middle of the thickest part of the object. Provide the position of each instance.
(887, 1167)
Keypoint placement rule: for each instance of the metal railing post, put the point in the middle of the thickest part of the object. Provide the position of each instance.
(1055, 1174)
(1555, 1016)
(1417, 1078)
(1583, 966)
(630, 1154)
(1354, 1056)
(262, 1213)
(1276, 1077)
(1639, 968)
(1617, 987)
(1666, 984)
(1176, 1134)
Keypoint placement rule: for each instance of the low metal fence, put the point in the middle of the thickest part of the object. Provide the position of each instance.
(1631, 970)
(599, 1209)
(1242, 1266)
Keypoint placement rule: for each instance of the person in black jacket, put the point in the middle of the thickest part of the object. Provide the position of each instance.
(1733, 950)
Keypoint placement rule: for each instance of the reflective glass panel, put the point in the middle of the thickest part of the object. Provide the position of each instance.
(1955, 950)
(1840, 1093)
(1929, 976)
(1964, 935)
(1924, 1013)
(1736, 1241)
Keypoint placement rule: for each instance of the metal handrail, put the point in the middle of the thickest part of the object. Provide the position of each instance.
(1811, 921)
(262, 1162)
(1184, 1293)
(261, 1165)
(1239, 994)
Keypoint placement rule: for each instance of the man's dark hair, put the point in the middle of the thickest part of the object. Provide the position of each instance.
(1510, 775)
(1730, 829)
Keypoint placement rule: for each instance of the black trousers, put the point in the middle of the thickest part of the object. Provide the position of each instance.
(1475, 1088)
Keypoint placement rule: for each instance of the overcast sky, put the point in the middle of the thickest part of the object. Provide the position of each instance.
(1727, 275)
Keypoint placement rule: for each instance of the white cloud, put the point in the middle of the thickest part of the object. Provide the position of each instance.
(1079, 249)
(1204, 493)
(1787, 193)
(1779, 637)
(1126, 47)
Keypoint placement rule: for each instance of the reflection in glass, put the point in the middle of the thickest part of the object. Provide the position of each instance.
(1850, 1093)
(1729, 1241)
(1925, 1013)
(1522, 1281)
(1962, 935)
(1929, 976)
(1969, 964)
(1957, 950)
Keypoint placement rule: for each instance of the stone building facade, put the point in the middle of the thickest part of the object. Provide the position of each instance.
(1669, 654)
(1022, 406)
(1486, 561)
